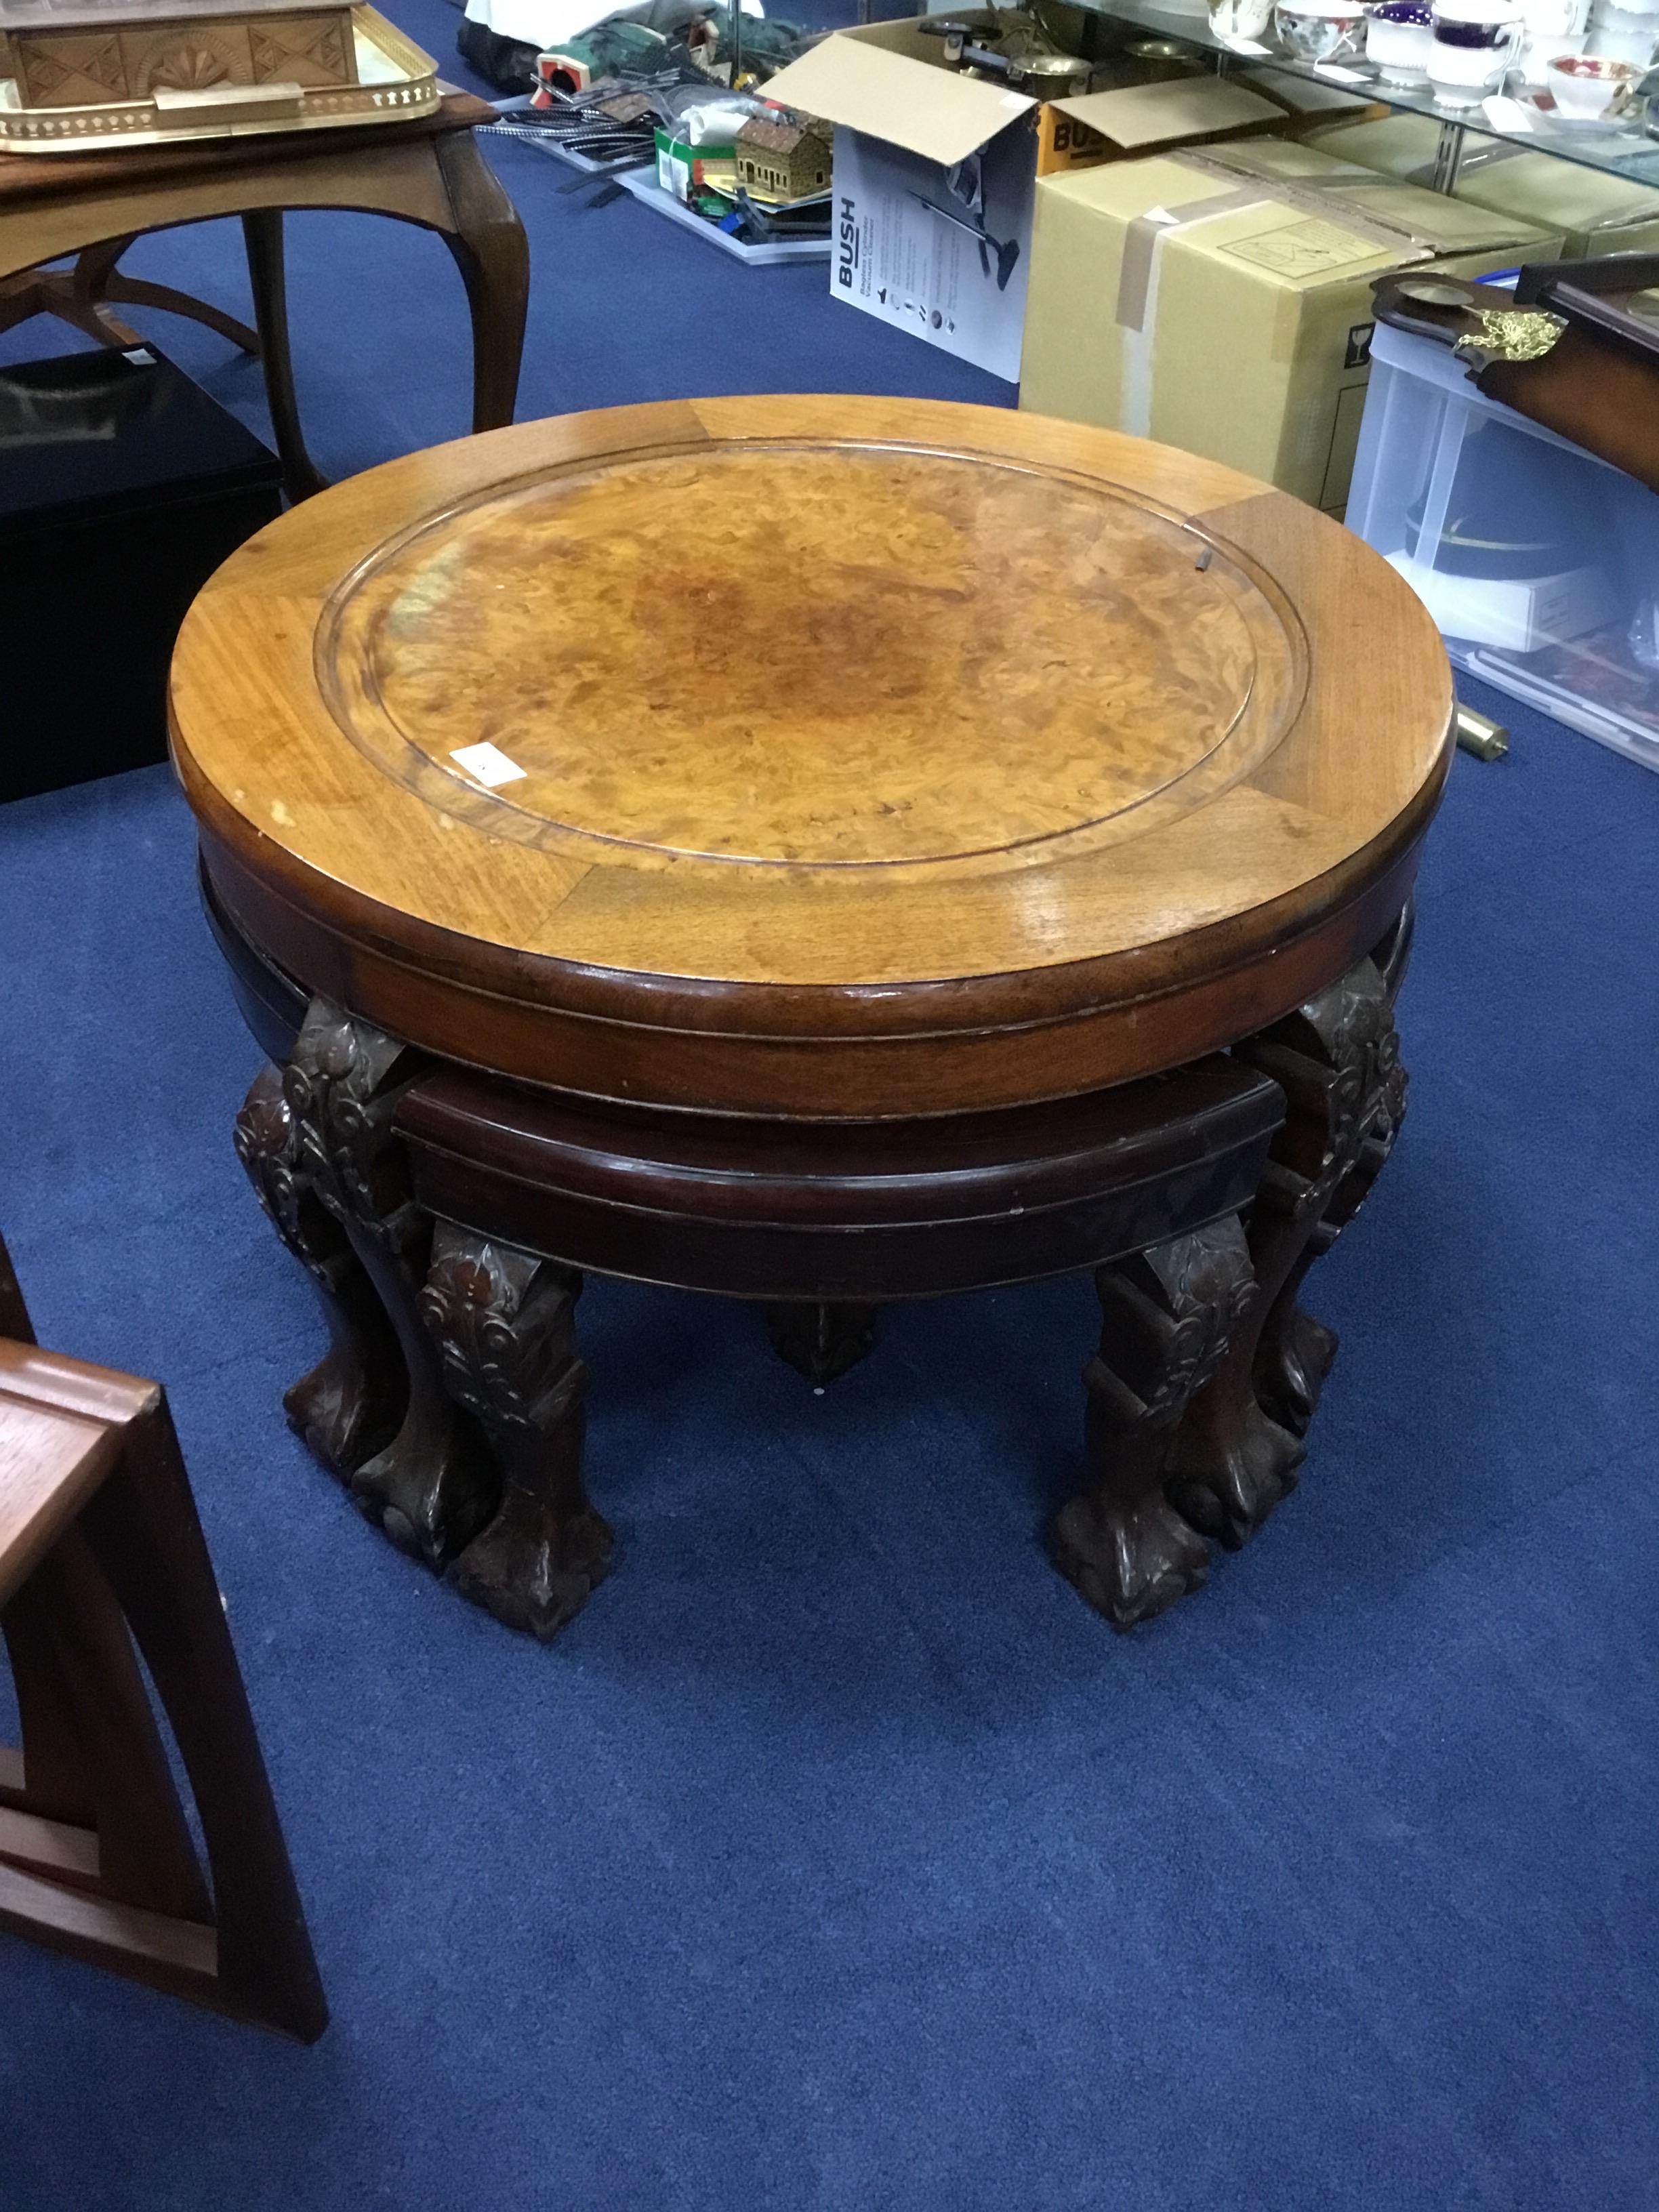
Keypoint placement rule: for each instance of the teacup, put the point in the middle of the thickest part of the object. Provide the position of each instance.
(1585, 85)
(1237, 22)
(1475, 44)
(1320, 30)
(1399, 38)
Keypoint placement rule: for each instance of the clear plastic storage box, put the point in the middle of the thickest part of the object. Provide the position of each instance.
(1540, 562)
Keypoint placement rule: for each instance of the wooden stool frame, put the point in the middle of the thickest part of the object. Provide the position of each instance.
(101, 1550)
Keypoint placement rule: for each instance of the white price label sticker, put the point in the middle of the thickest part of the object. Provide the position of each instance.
(1506, 114)
(488, 763)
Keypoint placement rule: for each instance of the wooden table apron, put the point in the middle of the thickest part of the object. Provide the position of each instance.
(975, 842)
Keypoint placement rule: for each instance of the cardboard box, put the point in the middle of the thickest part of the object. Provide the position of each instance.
(680, 164)
(935, 172)
(1592, 212)
(1220, 301)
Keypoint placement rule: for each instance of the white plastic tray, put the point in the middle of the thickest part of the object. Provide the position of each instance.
(643, 187)
(1418, 407)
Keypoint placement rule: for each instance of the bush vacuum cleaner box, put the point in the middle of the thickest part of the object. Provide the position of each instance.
(934, 173)
(1592, 212)
(1221, 301)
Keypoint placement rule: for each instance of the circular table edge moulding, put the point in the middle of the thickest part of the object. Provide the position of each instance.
(395, 966)
(711, 1047)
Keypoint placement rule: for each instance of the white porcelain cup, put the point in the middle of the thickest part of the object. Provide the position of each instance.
(1553, 27)
(1587, 86)
(1475, 45)
(1314, 31)
(1399, 34)
(1237, 22)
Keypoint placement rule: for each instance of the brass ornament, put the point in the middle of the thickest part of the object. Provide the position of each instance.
(1508, 334)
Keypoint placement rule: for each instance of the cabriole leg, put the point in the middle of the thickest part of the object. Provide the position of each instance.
(317, 1140)
(1337, 1059)
(503, 1324)
(1167, 1315)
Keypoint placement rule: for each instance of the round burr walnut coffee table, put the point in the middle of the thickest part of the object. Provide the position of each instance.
(819, 851)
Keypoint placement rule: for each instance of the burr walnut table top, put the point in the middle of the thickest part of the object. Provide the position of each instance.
(1005, 758)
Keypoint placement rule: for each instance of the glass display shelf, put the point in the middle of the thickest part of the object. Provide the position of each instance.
(1616, 150)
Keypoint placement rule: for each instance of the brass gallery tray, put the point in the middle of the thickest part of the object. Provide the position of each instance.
(185, 70)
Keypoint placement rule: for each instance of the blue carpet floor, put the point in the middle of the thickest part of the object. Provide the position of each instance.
(837, 1857)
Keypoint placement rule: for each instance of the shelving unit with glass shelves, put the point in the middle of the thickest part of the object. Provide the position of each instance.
(1616, 150)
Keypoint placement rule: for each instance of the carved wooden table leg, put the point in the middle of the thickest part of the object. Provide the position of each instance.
(1297, 1352)
(1168, 1316)
(1337, 1059)
(503, 1321)
(352, 1403)
(323, 1139)
(821, 1341)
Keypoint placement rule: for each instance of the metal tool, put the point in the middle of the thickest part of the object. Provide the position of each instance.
(1479, 734)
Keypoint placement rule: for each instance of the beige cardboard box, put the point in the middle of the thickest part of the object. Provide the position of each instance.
(934, 174)
(1220, 301)
(1591, 212)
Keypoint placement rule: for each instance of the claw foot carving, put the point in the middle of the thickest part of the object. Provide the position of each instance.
(1337, 1059)
(1131, 1562)
(1296, 1355)
(316, 1139)
(351, 1404)
(1167, 1315)
(503, 1324)
(1225, 1484)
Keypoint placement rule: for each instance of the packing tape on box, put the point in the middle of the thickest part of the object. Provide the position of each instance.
(1321, 196)
(1136, 309)
(1146, 231)
(1642, 207)
(1307, 192)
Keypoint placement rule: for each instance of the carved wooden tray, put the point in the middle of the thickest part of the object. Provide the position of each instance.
(177, 72)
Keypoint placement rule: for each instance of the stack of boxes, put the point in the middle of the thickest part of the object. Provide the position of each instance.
(936, 173)
(1221, 300)
(1189, 260)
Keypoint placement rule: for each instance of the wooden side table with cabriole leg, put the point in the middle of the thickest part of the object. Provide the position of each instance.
(428, 172)
(946, 848)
